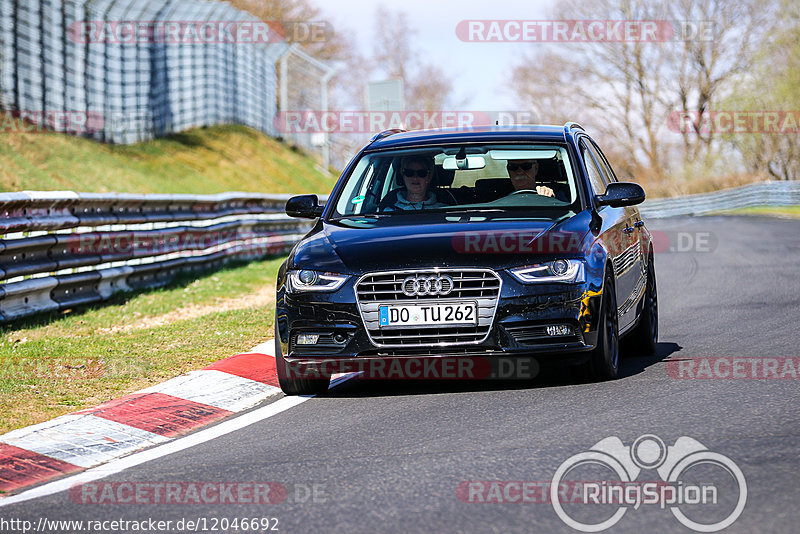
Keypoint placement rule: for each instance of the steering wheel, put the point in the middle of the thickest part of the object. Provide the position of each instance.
(530, 191)
(449, 197)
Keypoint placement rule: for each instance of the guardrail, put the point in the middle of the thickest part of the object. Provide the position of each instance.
(763, 194)
(63, 249)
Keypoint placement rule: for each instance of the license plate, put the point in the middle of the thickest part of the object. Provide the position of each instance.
(449, 313)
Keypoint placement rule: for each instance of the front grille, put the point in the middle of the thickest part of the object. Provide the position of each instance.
(389, 286)
(479, 285)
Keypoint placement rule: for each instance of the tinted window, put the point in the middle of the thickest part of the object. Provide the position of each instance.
(596, 176)
(518, 180)
(611, 177)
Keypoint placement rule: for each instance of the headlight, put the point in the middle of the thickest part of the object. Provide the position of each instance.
(553, 271)
(307, 280)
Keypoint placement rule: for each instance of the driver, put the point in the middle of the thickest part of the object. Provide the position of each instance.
(523, 176)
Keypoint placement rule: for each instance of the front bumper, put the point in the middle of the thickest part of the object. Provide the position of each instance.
(518, 327)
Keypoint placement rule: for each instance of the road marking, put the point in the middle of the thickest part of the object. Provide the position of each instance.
(21, 467)
(159, 413)
(233, 384)
(120, 464)
(81, 439)
(216, 388)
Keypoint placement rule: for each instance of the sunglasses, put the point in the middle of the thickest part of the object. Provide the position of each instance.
(422, 173)
(516, 166)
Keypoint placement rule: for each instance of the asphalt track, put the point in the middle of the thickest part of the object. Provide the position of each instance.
(390, 456)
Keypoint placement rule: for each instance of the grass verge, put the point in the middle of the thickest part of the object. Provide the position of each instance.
(59, 363)
(792, 212)
(199, 161)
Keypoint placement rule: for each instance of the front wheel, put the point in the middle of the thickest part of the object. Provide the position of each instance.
(295, 385)
(603, 363)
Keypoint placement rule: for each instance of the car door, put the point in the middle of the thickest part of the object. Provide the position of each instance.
(638, 243)
(616, 231)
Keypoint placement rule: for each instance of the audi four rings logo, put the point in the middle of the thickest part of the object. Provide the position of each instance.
(433, 285)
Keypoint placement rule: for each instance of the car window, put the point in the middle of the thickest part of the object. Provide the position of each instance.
(468, 178)
(596, 176)
(612, 177)
(380, 183)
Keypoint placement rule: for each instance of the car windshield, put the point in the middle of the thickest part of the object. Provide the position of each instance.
(513, 180)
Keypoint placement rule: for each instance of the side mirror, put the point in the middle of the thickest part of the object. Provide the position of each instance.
(304, 206)
(620, 194)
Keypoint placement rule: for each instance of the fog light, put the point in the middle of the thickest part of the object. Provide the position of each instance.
(307, 339)
(339, 338)
(559, 330)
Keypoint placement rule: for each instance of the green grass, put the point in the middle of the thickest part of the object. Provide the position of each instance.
(56, 363)
(59, 363)
(773, 211)
(199, 161)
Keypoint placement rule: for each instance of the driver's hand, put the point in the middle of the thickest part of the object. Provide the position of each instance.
(544, 190)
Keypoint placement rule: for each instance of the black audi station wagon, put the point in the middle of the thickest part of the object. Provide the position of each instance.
(496, 242)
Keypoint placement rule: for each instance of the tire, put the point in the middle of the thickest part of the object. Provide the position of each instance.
(603, 362)
(296, 386)
(643, 340)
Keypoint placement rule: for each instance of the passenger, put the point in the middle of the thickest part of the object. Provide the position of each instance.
(417, 173)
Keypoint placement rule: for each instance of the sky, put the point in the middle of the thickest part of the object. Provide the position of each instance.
(481, 72)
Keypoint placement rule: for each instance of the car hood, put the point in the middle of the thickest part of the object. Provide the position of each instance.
(337, 248)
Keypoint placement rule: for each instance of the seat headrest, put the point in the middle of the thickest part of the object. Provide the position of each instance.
(549, 171)
(443, 177)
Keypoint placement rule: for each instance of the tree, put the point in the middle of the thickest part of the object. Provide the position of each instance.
(292, 14)
(772, 87)
(426, 86)
(628, 89)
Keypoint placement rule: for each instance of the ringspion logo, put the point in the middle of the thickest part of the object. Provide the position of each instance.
(704, 490)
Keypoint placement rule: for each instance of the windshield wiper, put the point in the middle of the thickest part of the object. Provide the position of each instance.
(364, 216)
(473, 210)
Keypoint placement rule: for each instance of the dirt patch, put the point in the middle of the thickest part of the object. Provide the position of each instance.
(262, 298)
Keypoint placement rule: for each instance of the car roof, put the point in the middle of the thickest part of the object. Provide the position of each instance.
(494, 134)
